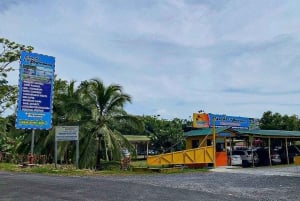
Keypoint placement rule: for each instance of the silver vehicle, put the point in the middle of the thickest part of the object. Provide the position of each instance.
(249, 157)
(275, 157)
(236, 160)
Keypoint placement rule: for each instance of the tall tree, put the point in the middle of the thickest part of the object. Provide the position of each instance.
(107, 104)
(276, 121)
(165, 135)
(69, 110)
(10, 53)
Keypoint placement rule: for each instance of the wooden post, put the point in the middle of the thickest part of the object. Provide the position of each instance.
(214, 140)
(147, 149)
(270, 160)
(136, 148)
(230, 151)
(287, 151)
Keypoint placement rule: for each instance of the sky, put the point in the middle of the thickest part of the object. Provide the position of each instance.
(173, 57)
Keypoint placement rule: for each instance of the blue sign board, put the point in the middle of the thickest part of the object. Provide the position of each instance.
(35, 91)
(223, 134)
(229, 121)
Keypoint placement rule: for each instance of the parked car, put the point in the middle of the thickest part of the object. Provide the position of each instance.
(275, 157)
(248, 157)
(293, 151)
(236, 160)
(264, 159)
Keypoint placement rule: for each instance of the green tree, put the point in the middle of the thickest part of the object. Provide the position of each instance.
(70, 110)
(10, 53)
(291, 123)
(107, 106)
(276, 121)
(10, 139)
(165, 135)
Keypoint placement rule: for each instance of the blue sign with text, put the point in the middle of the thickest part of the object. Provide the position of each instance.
(35, 91)
(229, 121)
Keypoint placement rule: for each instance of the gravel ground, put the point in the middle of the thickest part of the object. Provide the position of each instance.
(219, 184)
(244, 183)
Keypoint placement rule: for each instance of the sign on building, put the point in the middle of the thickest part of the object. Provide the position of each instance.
(36, 78)
(228, 121)
(200, 120)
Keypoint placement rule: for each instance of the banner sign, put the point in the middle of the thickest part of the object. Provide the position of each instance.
(230, 121)
(200, 120)
(35, 91)
(66, 133)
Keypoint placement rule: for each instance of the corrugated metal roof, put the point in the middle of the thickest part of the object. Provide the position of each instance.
(137, 138)
(274, 133)
(241, 132)
(204, 131)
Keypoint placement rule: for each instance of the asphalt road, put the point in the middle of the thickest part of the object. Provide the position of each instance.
(216, 185)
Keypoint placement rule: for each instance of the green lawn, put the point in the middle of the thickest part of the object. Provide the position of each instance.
(70, 170)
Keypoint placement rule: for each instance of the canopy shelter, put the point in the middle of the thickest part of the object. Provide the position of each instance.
(140, 143)
(274, 139)
(272, 133)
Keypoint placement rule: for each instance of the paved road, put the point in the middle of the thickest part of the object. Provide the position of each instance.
(216, 185)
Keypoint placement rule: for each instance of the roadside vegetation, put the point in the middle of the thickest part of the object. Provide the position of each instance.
(110, 168)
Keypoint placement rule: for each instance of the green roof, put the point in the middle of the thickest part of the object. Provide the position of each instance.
(137, 138)
(273, 133)
(241, 132)
(204, 131)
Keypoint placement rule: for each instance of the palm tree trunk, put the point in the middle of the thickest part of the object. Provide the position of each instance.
(98, 162)
(106, 153)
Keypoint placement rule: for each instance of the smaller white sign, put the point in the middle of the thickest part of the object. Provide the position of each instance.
(66, 133)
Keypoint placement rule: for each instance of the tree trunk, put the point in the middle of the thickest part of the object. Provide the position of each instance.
(98, 162)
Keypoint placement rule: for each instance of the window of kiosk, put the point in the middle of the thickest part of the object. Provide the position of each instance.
(195, 144)
(220, 147)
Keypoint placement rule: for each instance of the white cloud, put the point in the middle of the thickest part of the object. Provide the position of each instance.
(173, 57)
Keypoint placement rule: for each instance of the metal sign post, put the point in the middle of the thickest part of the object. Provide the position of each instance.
(32, 142)
(55, 153)
(77, 153)
(67, 133)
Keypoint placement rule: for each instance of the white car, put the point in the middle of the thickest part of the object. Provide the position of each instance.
(246, 156)
(236, 160)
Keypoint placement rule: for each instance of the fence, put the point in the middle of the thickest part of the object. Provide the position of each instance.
(191, 156)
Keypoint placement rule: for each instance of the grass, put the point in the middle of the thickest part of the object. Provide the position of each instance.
(111, 168)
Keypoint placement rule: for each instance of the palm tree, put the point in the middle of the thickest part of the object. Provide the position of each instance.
(69, 110)
(106, 103)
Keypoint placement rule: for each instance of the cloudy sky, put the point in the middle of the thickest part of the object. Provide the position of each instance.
(174, 57)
